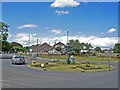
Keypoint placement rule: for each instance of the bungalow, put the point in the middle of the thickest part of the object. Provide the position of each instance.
(41, 49)
(58, 48)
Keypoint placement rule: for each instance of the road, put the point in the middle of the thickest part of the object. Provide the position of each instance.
(20, 76)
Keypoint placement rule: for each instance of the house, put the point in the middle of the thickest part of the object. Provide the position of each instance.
(41, 49)
(58, 48)
(109, 54)
(86, 51)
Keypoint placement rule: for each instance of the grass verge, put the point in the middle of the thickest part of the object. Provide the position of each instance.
(76, 67)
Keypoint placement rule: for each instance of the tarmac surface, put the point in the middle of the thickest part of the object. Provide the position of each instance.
(21, 76)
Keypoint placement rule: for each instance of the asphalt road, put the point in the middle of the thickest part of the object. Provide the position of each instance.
(20, 76)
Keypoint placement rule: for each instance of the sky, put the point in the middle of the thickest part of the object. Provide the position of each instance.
(92, 22)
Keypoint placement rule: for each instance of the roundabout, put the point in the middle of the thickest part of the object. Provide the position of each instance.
(73, 67)
(37, 78)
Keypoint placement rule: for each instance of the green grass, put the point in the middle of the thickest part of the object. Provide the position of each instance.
(90, 58)
(59, 66)
(84, 58)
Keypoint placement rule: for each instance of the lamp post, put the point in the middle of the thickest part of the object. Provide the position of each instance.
(37, 46)
(29, 43)
(68, 49)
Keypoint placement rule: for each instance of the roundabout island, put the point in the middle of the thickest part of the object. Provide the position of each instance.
(72, 67)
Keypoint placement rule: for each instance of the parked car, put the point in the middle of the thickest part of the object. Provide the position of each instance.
(17, 59)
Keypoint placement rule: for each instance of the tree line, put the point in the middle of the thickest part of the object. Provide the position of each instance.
(6, 46)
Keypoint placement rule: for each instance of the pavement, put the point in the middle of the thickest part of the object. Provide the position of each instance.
(21, 76)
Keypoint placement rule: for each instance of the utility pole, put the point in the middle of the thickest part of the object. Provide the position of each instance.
(29, 43)
(68, 49)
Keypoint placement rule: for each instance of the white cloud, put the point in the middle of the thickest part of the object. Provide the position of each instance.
(102, 33)
(56, 31)
(28, 26)
(61, 12)
(111, 30)
(94, 40)
(23, 39)
(34, 34)
(65, 3)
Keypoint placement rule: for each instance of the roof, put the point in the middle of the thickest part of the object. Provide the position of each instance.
(59, 43)
(42, 47)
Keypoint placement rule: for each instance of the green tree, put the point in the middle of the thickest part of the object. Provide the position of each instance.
(116, 48)
(5, 46)
(3, 37)
(58, 48)
(75, 45)
(26, 48)
(98, 49)
(15, 47)
(3, 31)
(16, 44)
(88, 46)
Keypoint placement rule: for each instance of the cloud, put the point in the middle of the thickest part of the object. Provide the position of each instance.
(94, 40)
(34, 34)
(28, 26)
(56, 31)
(102, 33)
(23, 39)
(61, 12)
(111, 30)
(65, 3)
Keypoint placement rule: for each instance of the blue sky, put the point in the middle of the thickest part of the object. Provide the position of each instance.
(87, 19)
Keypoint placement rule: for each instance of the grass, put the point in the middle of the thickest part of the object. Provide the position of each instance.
(60, 66)
(83, 58)
(90, 58)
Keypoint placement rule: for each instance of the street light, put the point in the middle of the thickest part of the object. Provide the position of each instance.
(29, 43)
(68, 49)
(37, 46)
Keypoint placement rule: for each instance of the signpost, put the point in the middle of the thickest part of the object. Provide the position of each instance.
(109, 60)
(34, 56)
(68, 49)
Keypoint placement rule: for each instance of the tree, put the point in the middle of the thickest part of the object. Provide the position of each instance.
(76, 46)
(5, 46)
(58, 48)
(88, 46)
(98, 49)
(3, 37)
(15, 47)
(16, 44)
(25, 49)
(3, 31)
(116, 48)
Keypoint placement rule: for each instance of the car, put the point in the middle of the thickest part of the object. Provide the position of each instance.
(17, 59)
